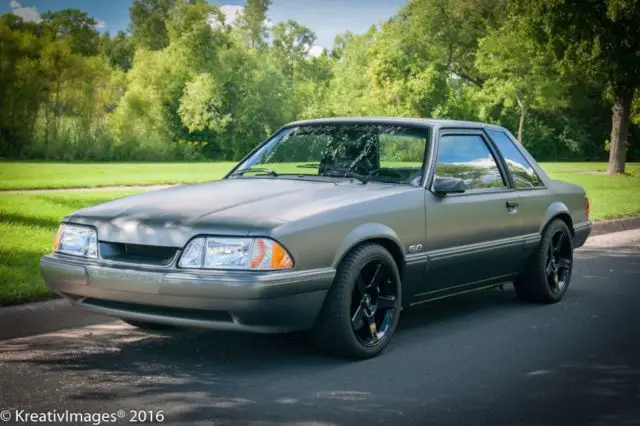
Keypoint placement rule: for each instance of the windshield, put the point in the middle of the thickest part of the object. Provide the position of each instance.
(369, 152)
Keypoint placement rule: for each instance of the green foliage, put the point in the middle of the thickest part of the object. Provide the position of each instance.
(148, 23)
(636, 110)
(349, 92)
(600, 39)
(75, 26)
(252, 22)
(516, 73)
(401, 148)
(118, 51)
(183, 85)
(201, 104)
(21, 83)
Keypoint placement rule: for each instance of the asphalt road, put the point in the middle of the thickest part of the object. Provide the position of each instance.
(480, 359)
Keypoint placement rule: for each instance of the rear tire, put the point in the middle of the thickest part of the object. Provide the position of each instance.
(548, 274)
(362, 308)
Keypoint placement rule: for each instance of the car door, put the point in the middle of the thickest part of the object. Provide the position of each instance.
(534, 197)
(473, 238)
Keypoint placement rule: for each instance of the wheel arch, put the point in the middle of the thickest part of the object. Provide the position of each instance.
(375, 233)
(558, 210)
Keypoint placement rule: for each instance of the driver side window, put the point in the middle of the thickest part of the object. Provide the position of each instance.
(468, 157)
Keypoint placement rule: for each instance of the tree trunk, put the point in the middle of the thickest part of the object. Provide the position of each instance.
(620, 130)
(521, 122)
(57, 112)
(520, 127)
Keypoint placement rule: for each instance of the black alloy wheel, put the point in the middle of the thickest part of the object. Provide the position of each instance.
(559, 259)
(362, 308)
(547, 276)
(373, 302)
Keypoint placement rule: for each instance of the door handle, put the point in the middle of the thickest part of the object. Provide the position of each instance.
(512, 204)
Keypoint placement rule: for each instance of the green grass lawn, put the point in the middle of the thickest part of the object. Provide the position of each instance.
(33, 175)
(27, 226)
(609, 196)
(28, 222)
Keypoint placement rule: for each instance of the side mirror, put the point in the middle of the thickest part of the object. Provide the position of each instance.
(448, 185)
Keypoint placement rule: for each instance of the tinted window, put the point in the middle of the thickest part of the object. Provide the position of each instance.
(402, 154)
(523, 174)
(402, 149)
(384, 153)
(468, 157)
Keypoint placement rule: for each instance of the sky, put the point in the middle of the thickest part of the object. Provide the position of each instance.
(326, 18)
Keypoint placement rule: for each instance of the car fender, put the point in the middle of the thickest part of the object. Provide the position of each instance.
(553, 211)
(364, 232)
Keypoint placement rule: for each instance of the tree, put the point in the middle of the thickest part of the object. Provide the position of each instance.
(349, 94)
(406, 79)
(339, 44)
(76, 26)
(22, 86)
(516, 72)
(201, 104)
(601, 37)
(148, 23)
(291, 42)
(448, 31)
(182, 85)
(118, 51)
(253, 20)
(424, 56)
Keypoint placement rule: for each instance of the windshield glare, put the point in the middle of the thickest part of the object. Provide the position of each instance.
(376, 152)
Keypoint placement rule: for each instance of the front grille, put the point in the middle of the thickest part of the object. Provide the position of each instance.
(191, 314)
(136, 253)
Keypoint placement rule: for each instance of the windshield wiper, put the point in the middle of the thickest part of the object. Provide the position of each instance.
(266, 170)
(345, 172)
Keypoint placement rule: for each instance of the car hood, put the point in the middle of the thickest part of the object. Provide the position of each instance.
(170, 217)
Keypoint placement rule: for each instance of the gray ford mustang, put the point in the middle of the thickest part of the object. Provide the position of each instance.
(332, 226)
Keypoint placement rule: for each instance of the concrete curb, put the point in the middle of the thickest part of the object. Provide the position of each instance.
(48, 305)
(44, 317)
(615, 225)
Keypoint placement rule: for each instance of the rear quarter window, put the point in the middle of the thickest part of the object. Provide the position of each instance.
(524, 176)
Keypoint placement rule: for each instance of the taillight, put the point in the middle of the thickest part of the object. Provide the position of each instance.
(586, 207)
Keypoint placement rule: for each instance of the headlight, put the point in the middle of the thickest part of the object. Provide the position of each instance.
(76, 240)
(258, 254)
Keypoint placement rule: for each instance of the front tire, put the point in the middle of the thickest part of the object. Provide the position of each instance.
(362, 308)
(547, 276)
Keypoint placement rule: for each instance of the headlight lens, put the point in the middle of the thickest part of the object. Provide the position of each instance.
(235, 253)
(76, 240)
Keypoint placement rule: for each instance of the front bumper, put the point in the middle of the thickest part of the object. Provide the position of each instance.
(267, 302)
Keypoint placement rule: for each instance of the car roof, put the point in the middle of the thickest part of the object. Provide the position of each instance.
(400, 121)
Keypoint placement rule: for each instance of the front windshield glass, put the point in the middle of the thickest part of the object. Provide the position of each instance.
(369, 152)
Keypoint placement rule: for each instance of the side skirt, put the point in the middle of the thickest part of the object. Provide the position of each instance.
(462, 289)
